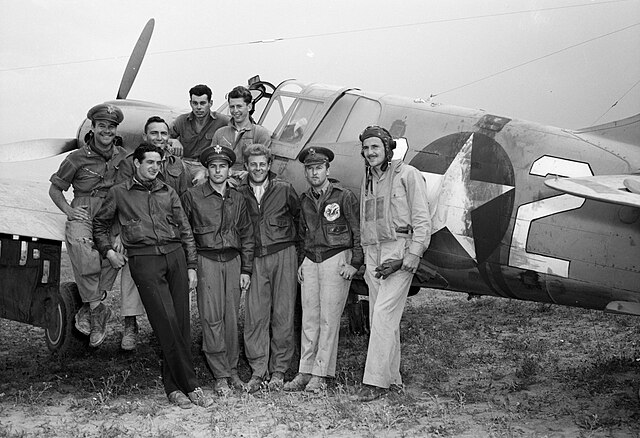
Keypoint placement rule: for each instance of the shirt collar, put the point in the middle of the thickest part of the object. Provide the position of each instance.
(232, 123)
(208, 190)
(212, 114)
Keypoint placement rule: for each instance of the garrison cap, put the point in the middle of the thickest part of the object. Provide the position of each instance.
(217, 152)
(316, 155)
(106, 111)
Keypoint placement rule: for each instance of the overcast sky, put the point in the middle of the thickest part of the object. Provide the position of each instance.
(558, 62)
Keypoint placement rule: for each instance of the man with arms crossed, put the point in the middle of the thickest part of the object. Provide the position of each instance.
(270, 302)
(162, 257)
(173, 172)
(395, 224)
(194, 131)
(91, 170)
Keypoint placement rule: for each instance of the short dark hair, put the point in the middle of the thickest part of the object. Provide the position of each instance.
(154, 119)
(256, 149)
(199, 90)
(240, 92)
(145, 147)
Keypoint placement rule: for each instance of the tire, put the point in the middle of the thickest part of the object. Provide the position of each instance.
(61, 336)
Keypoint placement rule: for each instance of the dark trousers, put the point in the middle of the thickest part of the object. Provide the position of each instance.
(164, 288)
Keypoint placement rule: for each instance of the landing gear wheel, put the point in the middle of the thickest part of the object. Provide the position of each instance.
(61, 336)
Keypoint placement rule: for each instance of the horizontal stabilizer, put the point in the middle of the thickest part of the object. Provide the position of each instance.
(27, 210)
(624, 130)
(606, 188)
(35, 149)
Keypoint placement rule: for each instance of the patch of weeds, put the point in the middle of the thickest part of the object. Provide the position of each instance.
(544, 308)
(113, 431)
(602, 376)
(502, 426)
(441, 418)
(32, 396)
(110, 387)
(589, 422)
(7, 431)
(528, 368)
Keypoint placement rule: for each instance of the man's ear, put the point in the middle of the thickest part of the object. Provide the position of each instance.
(136, 162)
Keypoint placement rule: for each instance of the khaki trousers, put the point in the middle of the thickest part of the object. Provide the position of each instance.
(219, 305)
(387, 298)
(324, 293)
(269, 311)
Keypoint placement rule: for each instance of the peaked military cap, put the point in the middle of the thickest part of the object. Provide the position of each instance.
(217, 152)
(106, 111)
(316, 155)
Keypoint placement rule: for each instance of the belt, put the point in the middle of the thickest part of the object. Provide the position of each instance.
(406, 230)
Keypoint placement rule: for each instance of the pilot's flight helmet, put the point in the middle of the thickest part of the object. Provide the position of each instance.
(382, 134)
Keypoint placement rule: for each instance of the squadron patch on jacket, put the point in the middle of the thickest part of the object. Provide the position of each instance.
(332, 212)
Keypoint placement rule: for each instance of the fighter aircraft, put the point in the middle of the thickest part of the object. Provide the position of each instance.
(520, 210)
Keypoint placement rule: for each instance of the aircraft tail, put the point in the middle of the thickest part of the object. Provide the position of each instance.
(624, 130)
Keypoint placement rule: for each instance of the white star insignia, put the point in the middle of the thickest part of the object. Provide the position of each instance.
(217, 149)
(454, 195)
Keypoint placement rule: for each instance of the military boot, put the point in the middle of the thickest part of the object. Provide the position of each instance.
(130, 335)
(99, 318)
(83, 320)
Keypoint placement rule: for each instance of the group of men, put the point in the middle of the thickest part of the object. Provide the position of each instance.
(196, 208)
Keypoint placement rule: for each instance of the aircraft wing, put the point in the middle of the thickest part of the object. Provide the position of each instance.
(27, 210)
(616, 189)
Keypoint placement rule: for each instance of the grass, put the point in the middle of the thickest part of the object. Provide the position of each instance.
(485, 367)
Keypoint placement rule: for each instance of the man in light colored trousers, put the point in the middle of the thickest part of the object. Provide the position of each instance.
(395, 224)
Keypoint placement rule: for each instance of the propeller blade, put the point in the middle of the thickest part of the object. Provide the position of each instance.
(135, 60)
(36, 149)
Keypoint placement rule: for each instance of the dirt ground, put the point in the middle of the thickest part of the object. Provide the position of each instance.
(472, 368)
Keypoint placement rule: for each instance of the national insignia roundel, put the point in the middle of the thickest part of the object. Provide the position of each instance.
(473, 185)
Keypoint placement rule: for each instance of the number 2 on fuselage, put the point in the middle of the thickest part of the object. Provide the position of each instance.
(527, 213)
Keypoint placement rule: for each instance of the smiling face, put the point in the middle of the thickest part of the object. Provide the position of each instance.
(316, 174)
(239, 110)
(200, 105)
(148, 169)
(104, 132)
(373, 151)
(157, 134)
(258, 167)
(218, 171)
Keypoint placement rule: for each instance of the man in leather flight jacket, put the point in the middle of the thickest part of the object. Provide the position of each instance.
(224, 237)
(330, 227)
(162, 258)
(176, 175)
(270, 302)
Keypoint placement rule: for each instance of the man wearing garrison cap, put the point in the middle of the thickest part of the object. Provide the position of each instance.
(396, 224)
(91, 171)
(223, 231)
(330, 228)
